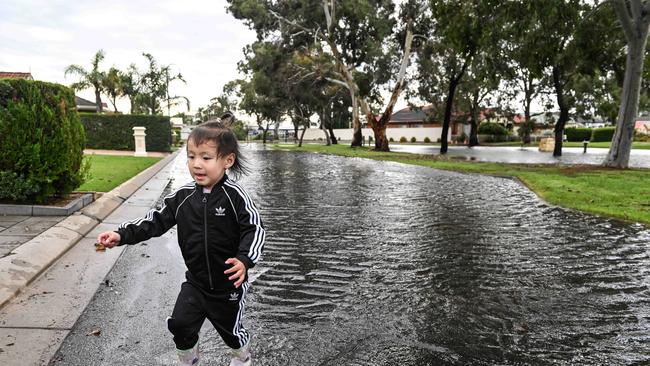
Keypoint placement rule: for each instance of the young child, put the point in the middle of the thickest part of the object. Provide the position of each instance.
(221, 236)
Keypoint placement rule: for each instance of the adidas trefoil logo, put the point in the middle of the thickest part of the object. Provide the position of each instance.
(220, 211)
(234, 296)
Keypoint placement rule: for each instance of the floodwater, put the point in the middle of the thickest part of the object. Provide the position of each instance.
(373, 263)
(526, 155)
(378, 263)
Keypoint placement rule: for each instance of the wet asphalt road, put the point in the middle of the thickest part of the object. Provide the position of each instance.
(372, 263)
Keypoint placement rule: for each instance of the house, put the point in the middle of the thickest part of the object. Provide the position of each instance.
(416, 118)
(642, 125)
(16, 75)
(84, 105)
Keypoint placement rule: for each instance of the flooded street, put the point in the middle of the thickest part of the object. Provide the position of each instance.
(371, 263)
(377, 263)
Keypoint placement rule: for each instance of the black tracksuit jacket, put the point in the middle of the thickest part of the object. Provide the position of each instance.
(212, 227)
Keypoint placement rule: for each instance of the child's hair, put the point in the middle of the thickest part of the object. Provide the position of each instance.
(220, 133)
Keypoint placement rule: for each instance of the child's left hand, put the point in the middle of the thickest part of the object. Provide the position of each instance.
(238, 269)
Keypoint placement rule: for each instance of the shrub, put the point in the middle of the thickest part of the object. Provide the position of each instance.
(604, 134)
(413, 139)
(402, 139)
(115, 131)
(490, 128)
(391, 140)
(239, 130)
(41, 141)
(577, 134)
(461, 138)
(427, 139)
(641, 137)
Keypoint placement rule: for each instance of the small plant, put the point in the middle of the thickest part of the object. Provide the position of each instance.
(461, 138)
(402, 139)
(413, 139)
(427, 139)
(391, 140)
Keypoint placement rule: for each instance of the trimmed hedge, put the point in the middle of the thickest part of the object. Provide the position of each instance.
(604, 134)
(41, 141)
(115, 131)
(490, 128)
(578, 134)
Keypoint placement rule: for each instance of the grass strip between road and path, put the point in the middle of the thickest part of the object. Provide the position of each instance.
(616, 193)
(109, 171)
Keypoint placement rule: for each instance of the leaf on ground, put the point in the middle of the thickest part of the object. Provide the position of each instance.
(100, 247)
(95, 332)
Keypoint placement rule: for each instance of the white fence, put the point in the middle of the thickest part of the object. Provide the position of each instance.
(345, 134)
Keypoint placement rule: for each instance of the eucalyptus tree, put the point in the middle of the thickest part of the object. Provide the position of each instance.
(262, 92)
(364, 37)
(634, 17)
(456, 33)
(89, 78)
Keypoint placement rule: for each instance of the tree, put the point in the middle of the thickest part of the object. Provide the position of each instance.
(456, 33)
(153, 87)
(93, 78)
(634, 16)
(130, 86)
(361, 36)
(112, 85)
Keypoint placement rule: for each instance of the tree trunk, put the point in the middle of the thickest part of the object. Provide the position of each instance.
(381, 142)
(473, 132)
(564, 112)
(98, 101)
(356, 124)
(329, 127)
(528, 99)
(304, 129)
(266, 131)
(474, 121)
(444, 144)
(619, 151)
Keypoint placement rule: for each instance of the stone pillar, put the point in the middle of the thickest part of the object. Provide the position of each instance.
(140, 147)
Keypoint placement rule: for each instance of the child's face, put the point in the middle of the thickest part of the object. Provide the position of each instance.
(204, 165)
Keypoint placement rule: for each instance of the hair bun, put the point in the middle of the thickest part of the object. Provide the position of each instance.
(227, 119)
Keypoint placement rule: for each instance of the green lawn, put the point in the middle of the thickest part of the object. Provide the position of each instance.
(623, 194)
(107, 172)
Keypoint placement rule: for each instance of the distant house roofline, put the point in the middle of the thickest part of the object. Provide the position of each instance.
(16, 75)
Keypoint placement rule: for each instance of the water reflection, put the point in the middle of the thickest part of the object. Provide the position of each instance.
(371, 263)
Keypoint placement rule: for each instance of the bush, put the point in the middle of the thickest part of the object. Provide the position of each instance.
(391, 140)
(490, 128)
(239, 130)
(461, 138)
(641, 137)
(413, 139)
(402, 139)
(115, 131)
(427, 139)
(577, 134)
(41, 141)
(604, 134)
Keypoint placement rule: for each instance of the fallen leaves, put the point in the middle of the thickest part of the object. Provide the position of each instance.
(99, 247)
(94, 332)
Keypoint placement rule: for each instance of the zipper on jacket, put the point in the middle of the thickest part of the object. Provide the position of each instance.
(205, 238)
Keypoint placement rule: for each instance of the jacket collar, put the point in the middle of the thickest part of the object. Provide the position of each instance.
(221, 182)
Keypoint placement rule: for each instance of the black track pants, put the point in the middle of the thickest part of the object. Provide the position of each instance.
(225, 312)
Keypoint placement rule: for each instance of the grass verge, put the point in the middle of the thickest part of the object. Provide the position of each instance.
(622, 194)
(108, 171)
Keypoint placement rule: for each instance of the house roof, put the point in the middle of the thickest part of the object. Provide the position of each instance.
(407, 114)
(16, 75)
(86, 105)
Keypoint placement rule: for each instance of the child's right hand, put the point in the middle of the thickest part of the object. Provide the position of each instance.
(108, 239)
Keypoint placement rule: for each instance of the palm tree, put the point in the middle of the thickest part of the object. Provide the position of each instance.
(93, 78)
(112, 85)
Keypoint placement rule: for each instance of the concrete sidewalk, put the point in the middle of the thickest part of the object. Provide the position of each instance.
(46, 283)
(22, 264)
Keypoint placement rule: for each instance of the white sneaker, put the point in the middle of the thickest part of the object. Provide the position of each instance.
(241, 357)
(189, 357)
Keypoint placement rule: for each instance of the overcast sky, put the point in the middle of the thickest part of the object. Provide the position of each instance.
(197, 37)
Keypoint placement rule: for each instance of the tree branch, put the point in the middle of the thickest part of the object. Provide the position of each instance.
(624, 17)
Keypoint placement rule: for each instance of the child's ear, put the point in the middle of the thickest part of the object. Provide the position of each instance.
(230, 160)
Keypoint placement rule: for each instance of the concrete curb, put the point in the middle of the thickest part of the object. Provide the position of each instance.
(25, 263)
